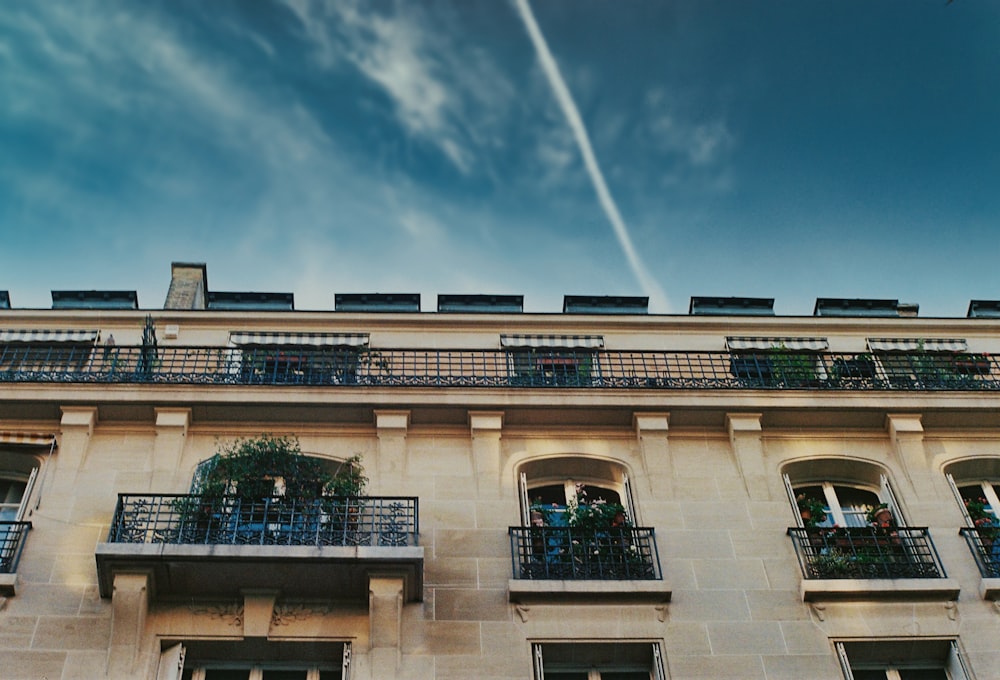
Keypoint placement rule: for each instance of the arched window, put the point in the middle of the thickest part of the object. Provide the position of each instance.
(555, 483)
(976, 485)
(18, 471)
(847, 490)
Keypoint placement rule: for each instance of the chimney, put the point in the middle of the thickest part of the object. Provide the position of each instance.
(188, 286)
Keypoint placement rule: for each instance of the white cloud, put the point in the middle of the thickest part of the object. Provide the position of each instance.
(443, 91)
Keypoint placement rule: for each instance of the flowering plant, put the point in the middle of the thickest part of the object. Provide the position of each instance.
(812, 509)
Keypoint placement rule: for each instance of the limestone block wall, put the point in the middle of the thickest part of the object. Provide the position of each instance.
(714, 496)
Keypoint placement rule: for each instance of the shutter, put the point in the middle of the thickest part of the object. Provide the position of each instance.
(27, 494)
(957, 668)
(525, 505)
(345, 667)
(536, 654)
(889, 498)
(791, 499)
(659, 672)
(845, 663)
(627, 499)
(961, 501)
(171, 663)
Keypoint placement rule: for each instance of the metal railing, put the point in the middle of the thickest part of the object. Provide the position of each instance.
(617, 553)
(502, 368)
(12, 536)
(229, 520)
(984, 542)
(866, 552)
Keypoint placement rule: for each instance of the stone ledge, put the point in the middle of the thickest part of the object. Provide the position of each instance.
(813, 590)
(555, 590)
(8, 584)
(182, 571)
(989, 588)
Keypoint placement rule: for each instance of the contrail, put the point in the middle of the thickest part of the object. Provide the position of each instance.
(568, 106)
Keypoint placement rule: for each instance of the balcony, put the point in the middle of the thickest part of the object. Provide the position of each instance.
(984, 542)
(557, 369)
(12, 535)
(867, 562)
(198, 546)
(553, 562)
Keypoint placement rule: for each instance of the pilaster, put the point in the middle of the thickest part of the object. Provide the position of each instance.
(745, 433)
(907, 434)
(76, 429)
(129, 607)
(391, 427)
(385, 615)
(651, 431)
(485, 428)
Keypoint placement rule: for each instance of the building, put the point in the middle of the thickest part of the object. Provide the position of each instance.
(793, 497)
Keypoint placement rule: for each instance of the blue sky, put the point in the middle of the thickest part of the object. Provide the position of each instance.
(790, 148)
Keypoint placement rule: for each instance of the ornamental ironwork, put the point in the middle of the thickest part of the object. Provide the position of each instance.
(501, 368)
(571, 553)
(866, 552)
(229, 520)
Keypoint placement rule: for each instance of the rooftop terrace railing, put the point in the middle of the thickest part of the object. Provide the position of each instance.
(571, 553)
(866, 553)
(229, 520)
(604, 369)
(12, 536)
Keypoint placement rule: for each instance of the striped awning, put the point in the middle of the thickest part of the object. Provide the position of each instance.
(556, 341)
(797, 344)
(917, 345)
(42, 335)
(300, 339)
(27, 439)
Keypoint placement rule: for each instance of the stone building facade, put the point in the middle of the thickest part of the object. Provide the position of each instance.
(488, 435)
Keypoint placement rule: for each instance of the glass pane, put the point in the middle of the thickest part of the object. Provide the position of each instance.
(868, 675)
(855, 504)
(226, 674)
(11, 492)
(284, 675)
(329, 675)
(565, 675)
(922, 674)
(625, 675)
(976, 503)
(815, 494)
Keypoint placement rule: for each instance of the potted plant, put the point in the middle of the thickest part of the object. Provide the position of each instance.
(832, 563)
(985, 522)
(812, 510)
(880, 515)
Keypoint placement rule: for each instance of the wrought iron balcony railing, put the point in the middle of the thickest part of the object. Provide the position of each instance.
(866, 553)
(327, 521)
(12, 536)
(500, 368)
(617, 553)
(984, 542)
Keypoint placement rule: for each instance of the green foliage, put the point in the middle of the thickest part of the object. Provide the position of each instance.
(833, 563)
(813, 507)
(255, 468)
(792, 368)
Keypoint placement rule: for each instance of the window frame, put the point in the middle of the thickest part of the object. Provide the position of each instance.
(954, 664)
(834, 507)
(656, 669)
(173, 662)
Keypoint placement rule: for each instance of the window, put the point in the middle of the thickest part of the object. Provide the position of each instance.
(902, 659)
(978, 496)
(844, 504)
(203, 660)
(598, 661)
(555, 483)
(17, 477)
(298, 358)
(553, 360)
